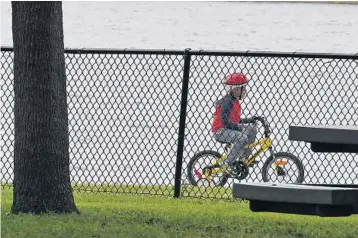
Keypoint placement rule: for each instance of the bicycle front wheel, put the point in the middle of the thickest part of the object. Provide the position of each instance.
(199, 163)
(283, 167)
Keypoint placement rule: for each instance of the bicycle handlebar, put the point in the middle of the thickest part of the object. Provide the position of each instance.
(260, 119)
(264, 123)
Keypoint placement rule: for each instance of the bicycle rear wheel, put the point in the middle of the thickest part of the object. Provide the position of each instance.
(290, 169)
(198, 163)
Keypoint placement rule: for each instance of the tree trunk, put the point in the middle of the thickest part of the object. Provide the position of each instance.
(41, 153)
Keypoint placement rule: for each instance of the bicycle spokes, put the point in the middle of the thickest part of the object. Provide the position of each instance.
(284, 170)
(280, 171)
(202, 169)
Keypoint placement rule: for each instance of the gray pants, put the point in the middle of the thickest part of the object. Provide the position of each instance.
(239, 139)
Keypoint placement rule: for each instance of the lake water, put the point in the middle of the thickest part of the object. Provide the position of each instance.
(206, 25)
(328, 28)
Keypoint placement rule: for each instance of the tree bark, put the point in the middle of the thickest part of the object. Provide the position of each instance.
(41, 152)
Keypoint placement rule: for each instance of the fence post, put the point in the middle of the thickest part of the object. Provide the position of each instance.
(184, 96)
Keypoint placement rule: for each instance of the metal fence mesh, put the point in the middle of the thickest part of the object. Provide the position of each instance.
(7, 116)
(286, 91)
(124, 111)
(123, 114)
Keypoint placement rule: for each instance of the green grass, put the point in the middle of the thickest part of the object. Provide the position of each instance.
(110, 215)
(168, 191)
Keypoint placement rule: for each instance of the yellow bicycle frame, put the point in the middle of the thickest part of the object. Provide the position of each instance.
(265, 143)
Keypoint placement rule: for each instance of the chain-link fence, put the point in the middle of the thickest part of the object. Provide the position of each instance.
(136, 117)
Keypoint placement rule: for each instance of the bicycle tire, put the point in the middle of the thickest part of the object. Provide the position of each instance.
(194, 159)
(294, 158)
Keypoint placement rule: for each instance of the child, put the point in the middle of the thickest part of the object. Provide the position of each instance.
(228, 126)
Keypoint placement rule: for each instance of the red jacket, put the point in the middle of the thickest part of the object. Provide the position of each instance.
(227, 114)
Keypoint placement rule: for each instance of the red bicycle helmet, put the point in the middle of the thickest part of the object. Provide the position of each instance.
(238, 79)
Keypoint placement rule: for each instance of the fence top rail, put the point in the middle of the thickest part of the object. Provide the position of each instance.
(188, 51)
(274, 54)
(113, 51)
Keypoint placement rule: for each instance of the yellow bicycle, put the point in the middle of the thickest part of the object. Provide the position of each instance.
(276, 164)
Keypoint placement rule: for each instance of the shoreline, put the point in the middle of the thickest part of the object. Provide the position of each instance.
(313, 2)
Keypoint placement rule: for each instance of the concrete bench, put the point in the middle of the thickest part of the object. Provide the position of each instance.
(321, 200)
(331, 139)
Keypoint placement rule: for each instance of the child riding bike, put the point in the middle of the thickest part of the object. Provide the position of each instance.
(228, 126)
(209, 167)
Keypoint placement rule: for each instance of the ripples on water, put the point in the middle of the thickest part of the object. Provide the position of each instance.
(206, 25)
